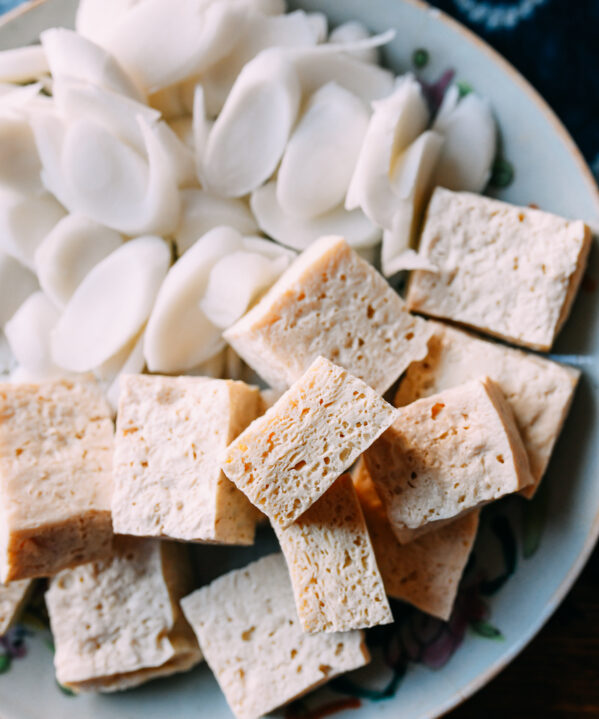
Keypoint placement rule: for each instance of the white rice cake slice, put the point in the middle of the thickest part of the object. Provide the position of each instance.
(56, 442)
(426, 572)
(286, 459)
(512, 272)
(330, 302)
(251, 638)
(171, 432)
(117, 623)
(538, 390)
(336, 581)
(12, 599)
(445, 455)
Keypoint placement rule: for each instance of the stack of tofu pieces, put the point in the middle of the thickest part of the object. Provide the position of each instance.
(368, 499)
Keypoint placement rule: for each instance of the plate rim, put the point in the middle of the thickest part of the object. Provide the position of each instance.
(592, 185)
(526, 86)
(19, 10)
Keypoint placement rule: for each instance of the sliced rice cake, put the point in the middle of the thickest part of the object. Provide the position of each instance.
(12, 598)
(538, 390)
(56, 442)
(426, 572)
(330, 302)
(336, 581)
(171, 432)
(251, 638)
(117, 623)
(287, 458)
(512, 272)
(447, 454)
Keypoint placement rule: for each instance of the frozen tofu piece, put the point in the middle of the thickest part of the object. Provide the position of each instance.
(330, 302)
(56, 442)
(336, 581)
(117, 623)
(509, 271)
(538, 390)
(447, 454)
(170, 435)
(12, 599)
(287, 458)
(249, 633)
(269, 397)
(426, 572)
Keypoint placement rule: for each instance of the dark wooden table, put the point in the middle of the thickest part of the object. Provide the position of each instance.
(557, 675)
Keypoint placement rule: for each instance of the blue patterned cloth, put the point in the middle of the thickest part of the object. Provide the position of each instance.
(553, 43)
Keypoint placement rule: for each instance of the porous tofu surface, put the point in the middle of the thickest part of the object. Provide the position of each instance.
(117, 623)
(336, 582)
(12, 597)
(170, 434)
(286, 459)
(447, 454)
(538, 390)
(56, 442)
(250, 635)
(330, 302)
(426, 572)
(512, 272)
(269, 397)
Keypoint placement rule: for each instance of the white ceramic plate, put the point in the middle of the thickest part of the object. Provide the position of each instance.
(550, 172)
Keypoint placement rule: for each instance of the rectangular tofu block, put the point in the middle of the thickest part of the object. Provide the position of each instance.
(56, 442)
(426, 572)
(445, 455)
(251, 638)
(117, 623)
(330, 302)
(12, 599)
(171, 432)
(269, 397)
(336, 581)
(538, 390)
(509, 271)
(286, 459)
